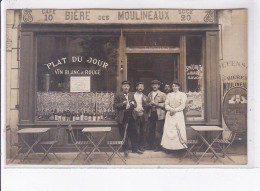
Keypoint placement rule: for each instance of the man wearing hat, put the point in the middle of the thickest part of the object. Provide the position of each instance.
(156, 116)
(124, 103)
(141, 115)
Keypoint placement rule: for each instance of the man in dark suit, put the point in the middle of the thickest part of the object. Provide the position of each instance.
(141, 110)
(124, 103)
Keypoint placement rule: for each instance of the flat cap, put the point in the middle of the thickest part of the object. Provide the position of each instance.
(156, 82)
(126, 82)
(138, 83)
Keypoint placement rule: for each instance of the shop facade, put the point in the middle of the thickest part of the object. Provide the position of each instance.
(65, 66)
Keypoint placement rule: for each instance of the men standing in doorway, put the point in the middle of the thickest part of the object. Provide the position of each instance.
(141, 115)
(124, 103)
(156, 116)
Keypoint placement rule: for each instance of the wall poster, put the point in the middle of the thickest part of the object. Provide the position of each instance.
(80, 84)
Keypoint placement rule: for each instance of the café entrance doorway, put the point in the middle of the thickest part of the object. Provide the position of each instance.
(146, 67)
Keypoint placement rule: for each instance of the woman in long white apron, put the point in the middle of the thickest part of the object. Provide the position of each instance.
(174, 133)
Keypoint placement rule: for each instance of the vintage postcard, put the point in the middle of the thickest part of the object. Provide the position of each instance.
(126, 87)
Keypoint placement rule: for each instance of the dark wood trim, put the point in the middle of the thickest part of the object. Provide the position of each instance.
(116, 28)
(212, 79)
(152, 50)
(26, 86)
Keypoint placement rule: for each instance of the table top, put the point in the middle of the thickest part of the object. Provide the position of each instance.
(207, 128)
(33, 130)
(96, 129)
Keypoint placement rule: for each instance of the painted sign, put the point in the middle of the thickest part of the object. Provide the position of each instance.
(235, 109)
(233, 79)
(194, 72)
(105, 16)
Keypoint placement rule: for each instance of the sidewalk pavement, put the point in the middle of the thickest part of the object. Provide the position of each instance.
(148, 158)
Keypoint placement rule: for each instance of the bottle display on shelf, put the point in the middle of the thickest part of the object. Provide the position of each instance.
(65, 106)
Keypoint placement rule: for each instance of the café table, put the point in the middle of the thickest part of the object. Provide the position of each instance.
(88, 131)
(41, 132)
(200, 131)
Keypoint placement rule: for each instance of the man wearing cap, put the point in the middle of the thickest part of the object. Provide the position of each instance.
(124, 103)
(156, 116)
(141, 114)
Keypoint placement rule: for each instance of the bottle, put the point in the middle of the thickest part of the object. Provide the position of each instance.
(63, 116)
(105, 115)
(59, 115)
(85, 115)
(94, 117)
(55, 115)
(98, 116)
(89, 116)
(81, 116)
(47, 115)
(73, 116)
(101, 116)
(77, 117)
(39, 115)
(68, 114)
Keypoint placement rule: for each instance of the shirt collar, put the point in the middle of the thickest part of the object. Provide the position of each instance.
(137, 93)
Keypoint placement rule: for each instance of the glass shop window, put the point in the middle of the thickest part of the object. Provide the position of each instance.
(76, 77)
(195, 79)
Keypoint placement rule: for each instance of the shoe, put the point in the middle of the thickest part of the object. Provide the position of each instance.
(126, 153)
(150, 148)
(158, 149)
(137, 151)
(141, 149)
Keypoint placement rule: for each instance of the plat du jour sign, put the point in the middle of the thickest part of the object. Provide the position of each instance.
(109, 16)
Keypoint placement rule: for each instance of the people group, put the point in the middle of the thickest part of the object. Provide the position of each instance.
(154, 121)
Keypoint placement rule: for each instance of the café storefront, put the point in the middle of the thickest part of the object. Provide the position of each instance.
(72, 63)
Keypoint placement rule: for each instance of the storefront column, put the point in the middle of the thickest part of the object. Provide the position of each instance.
(122, 67)
(182, 72)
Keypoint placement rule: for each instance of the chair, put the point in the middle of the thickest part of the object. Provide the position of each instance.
(47, 146)
(191, 143)
(223, 144)
(188, 145)
(81, 146)
(116, 146)
(18, 144)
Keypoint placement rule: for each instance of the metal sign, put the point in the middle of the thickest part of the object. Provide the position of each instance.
(109, 16)
(235, 109)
